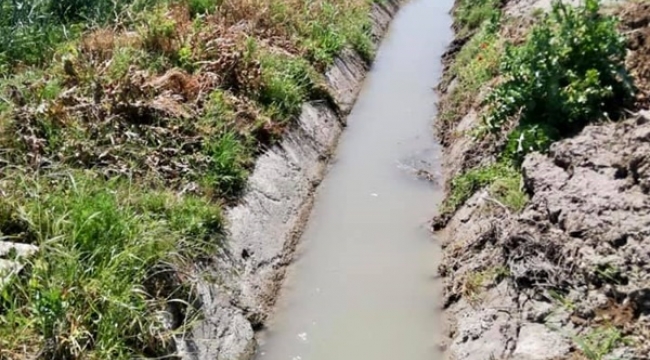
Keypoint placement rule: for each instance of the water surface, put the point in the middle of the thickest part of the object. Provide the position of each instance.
(362, 287)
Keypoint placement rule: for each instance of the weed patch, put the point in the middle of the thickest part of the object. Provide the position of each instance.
(503, 182)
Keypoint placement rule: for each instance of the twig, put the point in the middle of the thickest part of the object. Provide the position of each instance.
(497, 202)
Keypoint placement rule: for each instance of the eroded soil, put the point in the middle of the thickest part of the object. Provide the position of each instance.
(576, 259)
(567, 277)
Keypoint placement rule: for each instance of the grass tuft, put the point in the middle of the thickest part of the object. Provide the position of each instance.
(599, 343)
(228, 169)
(503, 182)
(286, 84)
(84, 294)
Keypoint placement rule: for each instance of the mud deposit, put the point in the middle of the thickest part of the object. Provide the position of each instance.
(567, 277)
(363, 286)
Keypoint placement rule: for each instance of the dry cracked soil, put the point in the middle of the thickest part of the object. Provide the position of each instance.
(568, 277)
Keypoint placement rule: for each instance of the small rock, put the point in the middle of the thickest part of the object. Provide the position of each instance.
(538, 342)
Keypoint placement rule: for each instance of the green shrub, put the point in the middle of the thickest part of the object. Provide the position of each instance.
(569, 72)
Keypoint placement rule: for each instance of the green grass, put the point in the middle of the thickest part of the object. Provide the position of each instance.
(230, 158)
(91, 289)
(507, 190)
(123, 58)
(471, 14)
(503, 182)
(600, 342)
(34, 29)
(286, 84)
(475, 64)
(217, 109)
(328, 33)
(120, 195)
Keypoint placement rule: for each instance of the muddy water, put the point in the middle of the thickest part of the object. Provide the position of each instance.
(363, 286)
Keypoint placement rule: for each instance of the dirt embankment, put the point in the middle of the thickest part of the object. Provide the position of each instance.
(567, 276)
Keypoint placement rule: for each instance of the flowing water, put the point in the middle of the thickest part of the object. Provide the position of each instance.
(363, 285)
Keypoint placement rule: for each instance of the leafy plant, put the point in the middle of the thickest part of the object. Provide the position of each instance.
(569, 72)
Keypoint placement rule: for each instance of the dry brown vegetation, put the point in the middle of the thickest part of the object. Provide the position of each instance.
(122, 136)
(142, 99)
(635, 17)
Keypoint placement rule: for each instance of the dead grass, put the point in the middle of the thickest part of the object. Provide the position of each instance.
(635, 16)
(127, 96)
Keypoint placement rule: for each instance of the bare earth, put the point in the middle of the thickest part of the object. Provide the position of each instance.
(569, 276)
